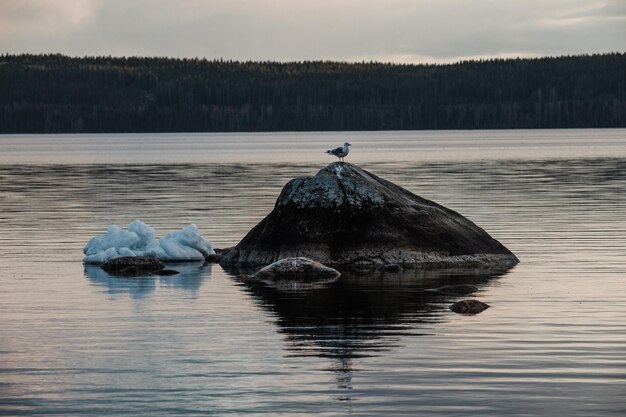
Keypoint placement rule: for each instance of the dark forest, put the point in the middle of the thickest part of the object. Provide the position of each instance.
(60, 94)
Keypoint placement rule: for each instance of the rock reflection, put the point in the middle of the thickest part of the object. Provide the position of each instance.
(190, 278)
(362, 314)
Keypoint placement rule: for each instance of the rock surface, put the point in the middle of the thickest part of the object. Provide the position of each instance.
(133, 265)
(469, 307)
(296, 268)
(347, 217)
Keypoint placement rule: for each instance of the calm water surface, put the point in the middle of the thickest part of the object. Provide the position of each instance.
(77, 342)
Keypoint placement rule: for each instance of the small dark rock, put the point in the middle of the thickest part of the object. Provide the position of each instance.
(390, 268)
(469, 307)
(454, 289)
(213, 258)
(166, 272)
(133, 265)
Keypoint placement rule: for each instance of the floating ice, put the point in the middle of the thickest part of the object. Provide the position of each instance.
(139, 239)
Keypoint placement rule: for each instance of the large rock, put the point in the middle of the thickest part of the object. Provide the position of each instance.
(345, 216)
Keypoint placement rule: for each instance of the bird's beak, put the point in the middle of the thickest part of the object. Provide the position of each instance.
(349, 144)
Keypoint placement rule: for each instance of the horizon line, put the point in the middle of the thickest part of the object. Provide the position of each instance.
(461, 60)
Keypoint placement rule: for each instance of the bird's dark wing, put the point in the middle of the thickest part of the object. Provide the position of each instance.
(335, 151)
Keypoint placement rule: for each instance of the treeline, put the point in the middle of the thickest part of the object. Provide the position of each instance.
(60, 94)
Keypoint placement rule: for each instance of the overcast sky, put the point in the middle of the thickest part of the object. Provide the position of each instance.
(286, 30)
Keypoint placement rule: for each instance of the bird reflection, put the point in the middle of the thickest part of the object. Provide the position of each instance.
(190, 278)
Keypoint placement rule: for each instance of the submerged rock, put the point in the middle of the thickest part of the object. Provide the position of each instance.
(460, 289)
(133, 265)
(298, 269)
(469, 307)
(347, 217)
(390, 268)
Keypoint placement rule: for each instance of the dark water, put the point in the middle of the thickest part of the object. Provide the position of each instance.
(75, 341)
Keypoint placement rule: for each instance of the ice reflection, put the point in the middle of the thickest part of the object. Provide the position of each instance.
(190, 277)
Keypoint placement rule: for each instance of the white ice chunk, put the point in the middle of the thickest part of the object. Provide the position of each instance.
(190, 236)
(96, 258)
(114, 237)
(111, 253)
(154, 249)
(126, 252)
(176, 250)
(143, 231)
(186, 244)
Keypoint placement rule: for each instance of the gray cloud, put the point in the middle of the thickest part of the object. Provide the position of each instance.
(393, 30)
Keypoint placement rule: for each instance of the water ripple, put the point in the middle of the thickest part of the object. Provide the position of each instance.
(75, 341)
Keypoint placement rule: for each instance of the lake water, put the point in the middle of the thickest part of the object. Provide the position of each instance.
(77, 342)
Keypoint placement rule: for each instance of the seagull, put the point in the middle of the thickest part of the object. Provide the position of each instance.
(340, 152)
